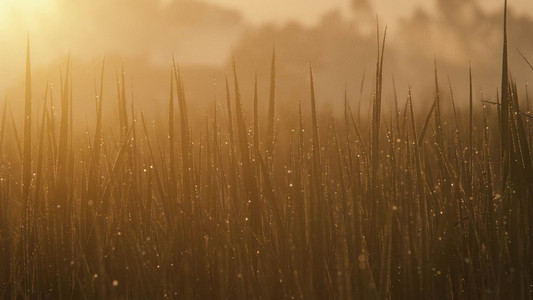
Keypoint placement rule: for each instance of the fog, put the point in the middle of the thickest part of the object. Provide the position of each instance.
(337, 37)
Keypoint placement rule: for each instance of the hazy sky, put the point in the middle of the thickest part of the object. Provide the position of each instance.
(310, 11)
(267, 11)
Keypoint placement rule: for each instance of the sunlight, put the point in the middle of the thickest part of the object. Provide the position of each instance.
(25, 12)
(266, 149)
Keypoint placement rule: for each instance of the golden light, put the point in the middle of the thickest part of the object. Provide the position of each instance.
(24, 12)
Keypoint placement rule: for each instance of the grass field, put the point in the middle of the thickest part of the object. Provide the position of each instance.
(405, 205)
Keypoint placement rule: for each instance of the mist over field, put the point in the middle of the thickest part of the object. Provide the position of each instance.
(338, 39)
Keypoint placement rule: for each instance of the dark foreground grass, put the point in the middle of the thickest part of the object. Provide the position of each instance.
(422, 206)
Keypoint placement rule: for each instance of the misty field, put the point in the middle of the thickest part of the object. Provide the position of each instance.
(237, 202)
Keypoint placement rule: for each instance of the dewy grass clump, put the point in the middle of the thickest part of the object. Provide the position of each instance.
(421, 206)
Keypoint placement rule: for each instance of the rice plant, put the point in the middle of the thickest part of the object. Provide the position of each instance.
(426, 205)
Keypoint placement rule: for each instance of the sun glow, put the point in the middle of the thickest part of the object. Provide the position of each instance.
(25, 12)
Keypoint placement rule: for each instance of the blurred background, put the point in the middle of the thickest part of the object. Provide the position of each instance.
(338, 37)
